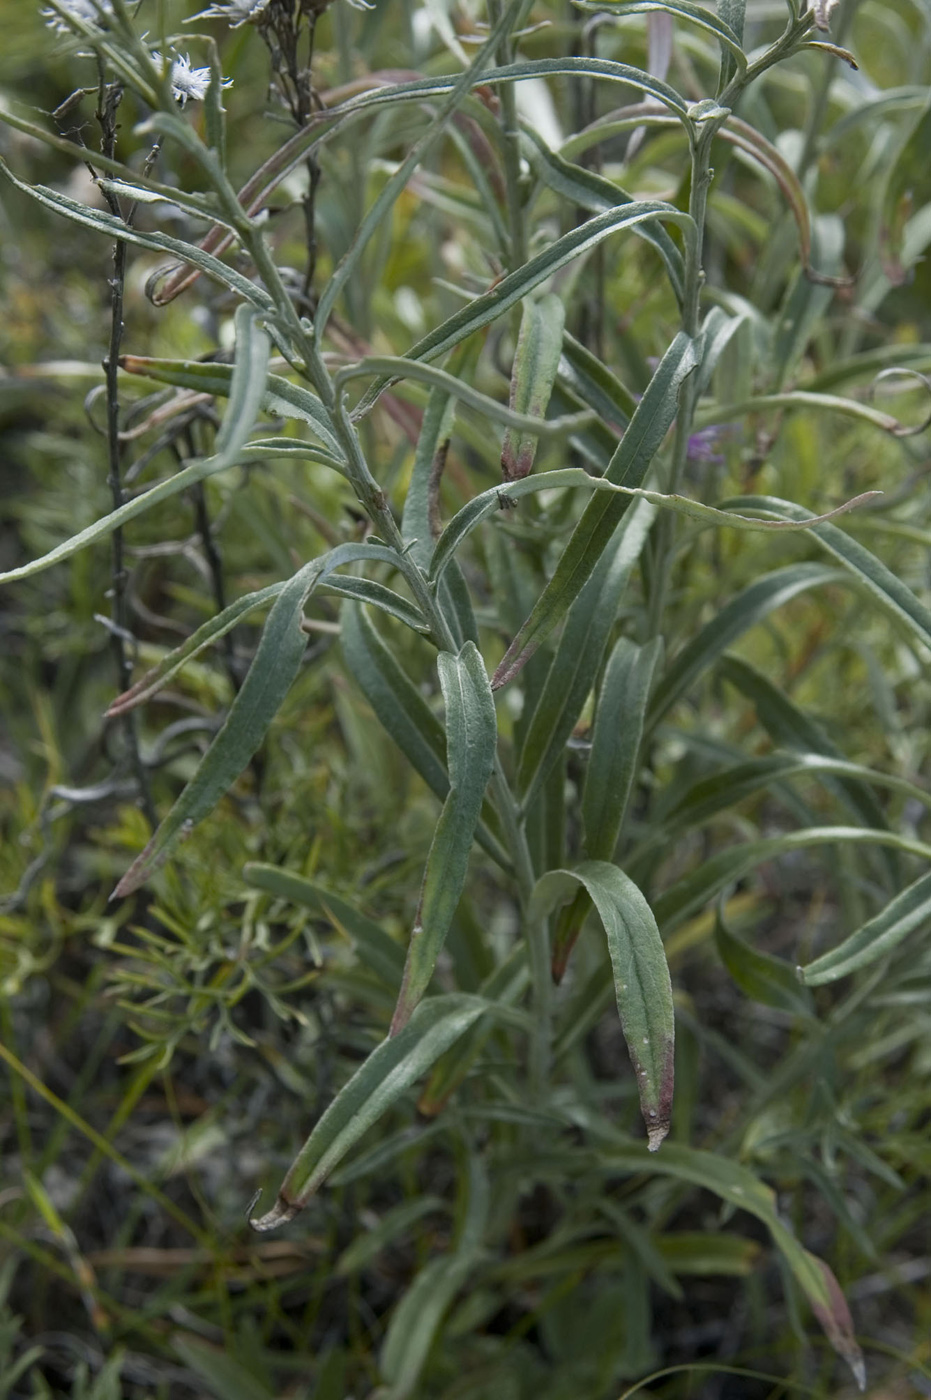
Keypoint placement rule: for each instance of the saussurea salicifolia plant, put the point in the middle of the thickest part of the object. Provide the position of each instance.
(528, 588)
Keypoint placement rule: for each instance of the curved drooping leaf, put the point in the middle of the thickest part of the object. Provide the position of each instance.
(646, 430)
(282, 398)
(516, 285)
(716, 25)
(641, 978)
(109, 224)
(374, 947)
(769, 980)
(690, 894)
(273, 670)
(471, 744)
(496, 499)
(246, 391)
(577, 660)
(910, 910)
(757, 601)
(894, 596)
(387, 1073)
(742, 1189)
(536, 360)
(589, 190)
(722, 790)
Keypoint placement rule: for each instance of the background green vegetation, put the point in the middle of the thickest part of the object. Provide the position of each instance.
(168, 1053)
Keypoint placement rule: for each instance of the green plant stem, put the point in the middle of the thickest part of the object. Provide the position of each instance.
(374, 502)
(510, 128)
(665, 537)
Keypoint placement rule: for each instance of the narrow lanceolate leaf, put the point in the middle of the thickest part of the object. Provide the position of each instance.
(628, 467)
(742, 1189)
(680, 9)
(690, 894)
(471, 741)
(883, 586)
(909, 911)
(397, 702)
(731, 13)
(641, 978)
(618, 731)
(588, 190)
(578, 657)
(159, 676)
(757, 601)
(271, 674)
(246, 391)
(417, 1318)
(519, 284)
(115, 228)
(389, 1072)
(595, 384)
(790, 728)
(282, 398)
(760, 976)
(722, 790)
(536, 361)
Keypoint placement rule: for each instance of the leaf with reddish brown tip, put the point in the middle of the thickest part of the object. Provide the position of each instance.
(835, 1318)
(539, 347)
(641, 978)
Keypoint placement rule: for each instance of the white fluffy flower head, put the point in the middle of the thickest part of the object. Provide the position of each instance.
(235, 12)
(187, 82)
(90, 11)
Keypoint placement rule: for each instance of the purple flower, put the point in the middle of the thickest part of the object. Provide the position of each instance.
(705, 444)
